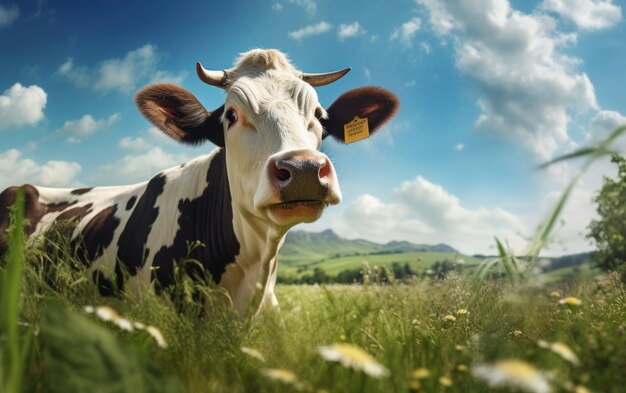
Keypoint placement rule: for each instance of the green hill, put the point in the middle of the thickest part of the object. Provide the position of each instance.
(302, 247)
(304, 251)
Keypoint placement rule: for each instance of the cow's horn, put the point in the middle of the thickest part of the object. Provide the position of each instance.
(213, 78)
(324, 78)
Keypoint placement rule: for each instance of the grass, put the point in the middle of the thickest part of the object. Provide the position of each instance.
(428, 335)
(403, 327)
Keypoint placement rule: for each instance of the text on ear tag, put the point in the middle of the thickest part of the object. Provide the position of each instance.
(356, 130)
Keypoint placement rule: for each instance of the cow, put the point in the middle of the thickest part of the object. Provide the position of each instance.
(266, 175)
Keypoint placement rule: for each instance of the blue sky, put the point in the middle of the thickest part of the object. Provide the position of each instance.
(488, 88)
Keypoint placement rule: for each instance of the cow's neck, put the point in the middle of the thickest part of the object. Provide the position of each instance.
(250, 280)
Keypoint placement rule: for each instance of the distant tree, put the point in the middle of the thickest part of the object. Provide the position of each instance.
(319, 276)
(408, 272)
(440, 269)
(354, 276)
(609, 231)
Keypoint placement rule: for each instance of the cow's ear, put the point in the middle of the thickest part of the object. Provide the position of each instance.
(375, 104)
(179, 114)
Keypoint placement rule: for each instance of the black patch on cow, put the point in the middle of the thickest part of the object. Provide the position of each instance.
(131, 202)
(33, 210)
(132, 242)
(69, 219)
(81, 191)
(97, 235)
(58, 207)
(208, 219)
(105, 286)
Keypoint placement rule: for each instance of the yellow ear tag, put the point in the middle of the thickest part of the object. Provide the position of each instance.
(356, 130)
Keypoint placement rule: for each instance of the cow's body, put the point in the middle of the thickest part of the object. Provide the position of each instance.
(237, 202)
(149, 225)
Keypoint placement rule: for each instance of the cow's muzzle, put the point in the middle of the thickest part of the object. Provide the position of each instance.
(300, 178)
(302, 183)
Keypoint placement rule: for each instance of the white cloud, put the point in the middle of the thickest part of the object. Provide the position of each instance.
(406, 32)
(17, 170)
(21, 105)
(165, 76)
(151, 138)
(459, 147)
(602, 124)
(8, 14)
(351, 30)
(310, 30)
(77, 75)
(137, 143)
(606, 121)
(137, 167)
(424, 212)
(122, 74)
(125, 74)
(77, 130)
(527, 84)
(587, 14)
(309, 5)
(277, 7)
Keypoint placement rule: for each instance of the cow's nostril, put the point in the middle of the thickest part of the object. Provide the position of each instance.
(324, 170)
(283, 174)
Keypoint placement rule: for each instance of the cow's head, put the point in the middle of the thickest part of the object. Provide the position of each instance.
(271, 127)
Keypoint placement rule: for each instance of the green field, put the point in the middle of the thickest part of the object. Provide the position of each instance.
(419, 261)
(431, 335)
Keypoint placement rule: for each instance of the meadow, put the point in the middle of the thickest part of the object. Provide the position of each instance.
(434, 335)
(496, 328)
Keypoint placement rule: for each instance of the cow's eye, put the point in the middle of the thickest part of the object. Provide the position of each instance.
(319, 113)
(231, 117)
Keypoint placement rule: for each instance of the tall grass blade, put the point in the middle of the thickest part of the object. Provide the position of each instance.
(508, 262)
(13, 358)
(593, 153)
(542, 235)
(585, 151)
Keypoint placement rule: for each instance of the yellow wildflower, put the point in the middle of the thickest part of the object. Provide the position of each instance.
(581, 389)
(517, 332)
(414, 384)
(462, 311)
(571, 301)
(106, 313)
(420, 373)
(461, 368)
(449, 318)
(555, 294)
(253, 353)
(513, 373)
(156, 334)
(562, 350)
(124, 324)
(284, 376)
(354, 357)
(445, 380)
